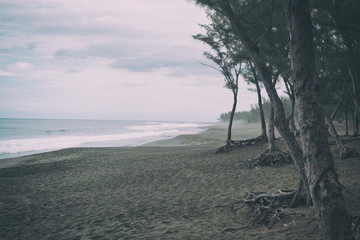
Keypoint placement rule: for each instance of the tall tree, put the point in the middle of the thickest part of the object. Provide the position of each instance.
(254, 79)
(347, 16)
(227, 58)
(325, 190)
(252, 30)
(318, 179)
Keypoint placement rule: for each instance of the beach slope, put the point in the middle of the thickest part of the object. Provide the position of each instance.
(178, 189)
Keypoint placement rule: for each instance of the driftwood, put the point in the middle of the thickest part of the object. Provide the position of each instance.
(241, 143)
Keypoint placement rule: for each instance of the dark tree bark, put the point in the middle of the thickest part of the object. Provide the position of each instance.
(325, 190)
(235, 94)
(332, 116)
(271, 141)
(340, 12)
(356, 124)
(280, 121)
(346, 123)
(303, 193)
(291, 117)
(262, 115)
(332, 130)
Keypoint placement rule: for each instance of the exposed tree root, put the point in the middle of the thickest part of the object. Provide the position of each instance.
(241, 143)
(268, 209)
(356, 224)
(348, 152)
(268, 158)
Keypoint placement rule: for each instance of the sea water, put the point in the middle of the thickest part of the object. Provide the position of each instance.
(19, 137)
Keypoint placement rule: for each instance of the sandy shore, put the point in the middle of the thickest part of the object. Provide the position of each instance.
(174, 189)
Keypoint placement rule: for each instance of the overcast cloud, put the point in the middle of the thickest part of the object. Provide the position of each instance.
(108, 59)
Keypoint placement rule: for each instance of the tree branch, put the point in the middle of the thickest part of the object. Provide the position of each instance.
(270, 25)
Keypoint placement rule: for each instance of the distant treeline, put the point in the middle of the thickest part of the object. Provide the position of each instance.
(253, 115)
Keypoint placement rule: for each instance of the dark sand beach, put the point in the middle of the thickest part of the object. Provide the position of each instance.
(173, 189)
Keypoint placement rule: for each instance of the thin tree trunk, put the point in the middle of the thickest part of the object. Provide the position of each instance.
(325, 190)
(279, 112)
(354, 96)
(262, 115)
(291, 117)
(228, 142)
(334, 134)
(271, 141)
(346, 123)
(356, 125)
(296, 153)
(338, 105)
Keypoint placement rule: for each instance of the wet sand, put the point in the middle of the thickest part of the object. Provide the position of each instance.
(174, 189)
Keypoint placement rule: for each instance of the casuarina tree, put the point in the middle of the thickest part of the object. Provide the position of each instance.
(318, 179)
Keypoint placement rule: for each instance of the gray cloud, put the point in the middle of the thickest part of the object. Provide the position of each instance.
(65, 52)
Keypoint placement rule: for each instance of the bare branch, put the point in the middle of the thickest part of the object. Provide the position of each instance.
(208, 65)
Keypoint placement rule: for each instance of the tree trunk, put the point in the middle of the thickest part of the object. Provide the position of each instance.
(332, 130)
(291, 117)
(228, 142)
(262, 115)
(280, 118)
(338, 105)
(356, 125)
(271, 141)
(325, 190)
(282, 126)
(352, 58)
(346, 123)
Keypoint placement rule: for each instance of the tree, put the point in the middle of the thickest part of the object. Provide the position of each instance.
(226, 57)
(251, 33)
(252, 78)
(325, 190)
(318, 179)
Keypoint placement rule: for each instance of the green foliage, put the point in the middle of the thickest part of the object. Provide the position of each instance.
(253, 115)
(256, 30)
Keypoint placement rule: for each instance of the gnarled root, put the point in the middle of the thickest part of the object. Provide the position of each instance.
(268, 158)
(351, 150)
(356, 224)
(241, 143)
(268, 209)
(349, 153)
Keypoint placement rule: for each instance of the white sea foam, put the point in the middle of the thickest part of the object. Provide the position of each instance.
(47, 135)
(52, 143)
(166, 126)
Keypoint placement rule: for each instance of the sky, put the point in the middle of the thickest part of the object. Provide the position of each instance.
(109, 59)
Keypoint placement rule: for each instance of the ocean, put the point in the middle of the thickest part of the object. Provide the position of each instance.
(19, 137)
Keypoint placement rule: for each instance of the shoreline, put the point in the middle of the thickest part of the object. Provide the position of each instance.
(213, 136)
(16, 160)
(23, 137)
(169, 190)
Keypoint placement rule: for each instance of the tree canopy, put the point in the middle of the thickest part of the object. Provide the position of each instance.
(314, 48)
